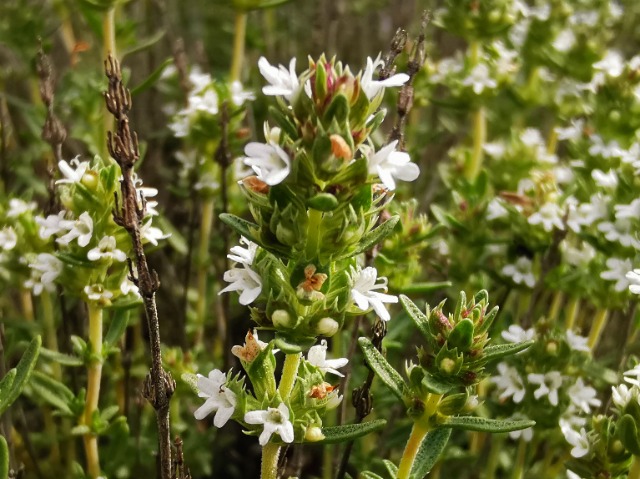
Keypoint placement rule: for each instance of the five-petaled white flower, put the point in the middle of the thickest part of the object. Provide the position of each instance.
(583, 396)
(44, 271)
(18, 207)
(390, 164)
(98, 293)
(106, 249)
(548, 383)
(283, 82)
(219, 398)
(618, 271)
(521, 272)
(245, 280)
(268, 160)
(516, 334)
(577, 342)
(53, 224)
(72, 171)
(364, 295)
(8, 238)
(479, 79)
(372, 87)
(317, 356)
(634, 279)
(151, 234)
(275, 420)
(509, 383)
(579, 441)
(243, 255)
(82, 230)
(549, 216)
(239, 95)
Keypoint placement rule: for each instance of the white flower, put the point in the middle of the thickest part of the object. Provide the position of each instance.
(612, 64)
(269, 161)
(242, 255)
(72, 171)
(8, 238)
(372, 87)
(44, 271)
(199, 80)
(390, 164)
(82, 230)
(364, 295)
(632, 376)
(634, 279)
(143, 193)
(579, 441)
(206, 102)
(549, 215)
(583, 396)
(180, 125)
(97, 293)
(495, 149)
(525, 434)
(630, 211)
(577, 255)
(605, 150)
(621, 231)
(317, 356)
(596, 209)
(577, 342)
(605, 180)
(515, 334)
(53, 224)
(479, 79)
(549, 383)
(106, 249)
(509, 383)
(572, 132)
(618, 269)
(565, 40)
(128, 286)
(521, 272)
(245, 280)
(496, 209)
(283, 82)
(18, 207)
(532, 137)
(239, 95)
(275, 421)
(219, 398)
(151, 234)
(622, 395)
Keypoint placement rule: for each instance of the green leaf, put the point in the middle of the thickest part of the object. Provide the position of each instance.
(418, 317)
(61, 358)
(392, 469)
(462, 335)
(117, 327)
(283, 122)
(323, 202)
(151, 79)
(436, 385)
(383, 369)
(4, 458)
(23, 371)
(370, 475)
(7, 382)
(144, 44)
(430, 451)
(349, 432)
(293, 345)
(191, 380)
(51, 391)
(627, 432)
(373, 237)
(338, 110)
(446, 219)
(498, 351)
(481, 424)
(243, 227)
(422, 288)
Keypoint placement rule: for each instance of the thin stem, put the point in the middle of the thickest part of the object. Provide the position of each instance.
(313, 238)
(518, 470)
(634, 471)
(206, 226)
(289, 374)
(418, 434)
(269, 466)
(240, 32)
(50, 333)
(94, 374)
(558, 298)
(494, 456)
(26, 304)
(573, 306)
(108, 48)
(479, 124)
(596, 328)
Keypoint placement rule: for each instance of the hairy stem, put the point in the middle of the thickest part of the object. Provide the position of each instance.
(240, 32)
(573, 307)
(418, 433)
(269, 465)
(94, 374)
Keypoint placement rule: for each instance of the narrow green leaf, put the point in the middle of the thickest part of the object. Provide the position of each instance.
(436, 385)
(481, 424)
(144, 44)
(373, 237)
(61, 358)
(4, 458)
(383, 369)
(491, 353)
(151, 79)
(392, 469)
(23, 371)
(349, 432)
(241, 226)
(283, 122)
(418, 317)
(430, 451)
(370, 475)
(421, 288)
(51, 391)
(117, 327)
(6, 383)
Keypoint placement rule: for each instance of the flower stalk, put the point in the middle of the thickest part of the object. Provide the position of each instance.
(596, 328)
(418, 433)
(240, 32)
(94, 376)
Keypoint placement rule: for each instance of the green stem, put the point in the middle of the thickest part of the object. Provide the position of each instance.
(206, 226)
(50, 334)
(289, 374)
(240, 33)
(494, 456)
(573, 307)
(634, 471)
(474, 164)
(418, 434)
(558, 297)
(518, 470)
(94, 374)
(108, 48)
(269, 466)
(596, 328)
(313, 237)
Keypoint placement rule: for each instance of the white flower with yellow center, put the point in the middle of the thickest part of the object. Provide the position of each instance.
(275, 420)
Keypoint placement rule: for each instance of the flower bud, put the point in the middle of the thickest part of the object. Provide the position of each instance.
(281, 319)
(313, 434)
(90, 180)
(327, 327)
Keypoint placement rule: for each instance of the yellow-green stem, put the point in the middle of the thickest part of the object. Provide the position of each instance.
(573, 306)
(313, 228)
(108, 48)
(26, 303)
(494, 456)
(634, 471)
(239, 34)
(596, 328)
(418, 433)
(474, 163)
(518, 470)
(552, 141)
(50, 334)
(289, 374)
(269, 466)
(558, 297)
(94, 374)
(206, 226)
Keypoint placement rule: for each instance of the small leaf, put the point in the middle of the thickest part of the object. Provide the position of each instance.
(383, 369)
(418, 317)
(151, 79)
(349, 432)
(627, 432)
(117, 327)
(491, 353)
(51, 391)
(241, 226)
(338, 110)
(392, 469)
(462, 335)
(283, 122)
(436, 385)
(323, 202)
(422, 288)
(23, 371)
(293, 345)
(430, 451)
(481, 424)
(61, 358)
(4, 458)
(144, 44)
(370, 475)
(7, 381)
(373, 237)
(81, 430)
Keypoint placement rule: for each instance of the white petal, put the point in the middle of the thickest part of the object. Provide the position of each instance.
(255, 417)
(222, 416)
(203, 411)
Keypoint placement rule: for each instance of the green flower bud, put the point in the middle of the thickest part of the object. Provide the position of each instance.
(313, 434)
(281, 319)
(327, 327)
